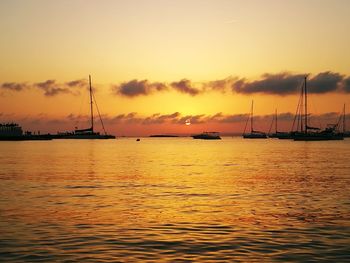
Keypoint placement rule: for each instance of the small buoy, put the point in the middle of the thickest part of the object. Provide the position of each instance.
(137, 139)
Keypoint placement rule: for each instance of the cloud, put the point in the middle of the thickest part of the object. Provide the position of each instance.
(177, 118)
(80, 83)
(221, 85)
(46, 84)
(279, 84)
(234, 118)
(285, 116)
(129, 118)
(185, 86)
(194, 119)
(136, 87)
(329, 115)
(325, 82)
(49, 87)
(52, 88)
(286, 83)
(14, 86)
(346, 85)
(133, 123)
(158, 118)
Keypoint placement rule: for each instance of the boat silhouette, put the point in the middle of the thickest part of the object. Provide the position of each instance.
(307, 132)
(277, 134)
(253, 133)
(87, 133)
(207, 136)
(342, 120)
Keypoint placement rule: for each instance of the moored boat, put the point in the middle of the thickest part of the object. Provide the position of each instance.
(207, 136)
(87, 133)
(309, 133)
(344, 132)
(282, 135)
(277, 134)
(253, 133)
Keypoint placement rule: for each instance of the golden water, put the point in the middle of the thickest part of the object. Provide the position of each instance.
(174, 200)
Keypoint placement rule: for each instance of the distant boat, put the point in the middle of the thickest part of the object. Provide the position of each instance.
(308, 133)
(87, 133)
(277, 134)
(207, 136)
(253, 134)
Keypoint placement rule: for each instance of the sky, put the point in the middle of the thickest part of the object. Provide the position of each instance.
(156, 64)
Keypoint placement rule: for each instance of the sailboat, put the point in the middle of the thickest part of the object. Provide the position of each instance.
(344, 132)
(277, 134)
(87, 133)
(253, 134)
(308, 133)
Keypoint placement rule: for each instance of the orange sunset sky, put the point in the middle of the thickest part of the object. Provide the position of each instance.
(156, 64)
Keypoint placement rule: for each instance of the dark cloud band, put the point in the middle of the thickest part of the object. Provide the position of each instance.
(280, 84)
(136, 87)
(49, 87)
(185, 86)
(286, 83)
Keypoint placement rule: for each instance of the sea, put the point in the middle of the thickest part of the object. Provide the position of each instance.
(175, 200)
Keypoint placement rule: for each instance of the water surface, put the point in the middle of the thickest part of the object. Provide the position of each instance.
(174, 199)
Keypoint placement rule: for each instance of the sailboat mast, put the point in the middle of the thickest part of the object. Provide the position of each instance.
(305, 105)
(251, 118)
(344, 121)
(276, 120)
(91, 107)
(301, 109)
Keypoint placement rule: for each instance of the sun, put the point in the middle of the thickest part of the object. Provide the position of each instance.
(188, 122)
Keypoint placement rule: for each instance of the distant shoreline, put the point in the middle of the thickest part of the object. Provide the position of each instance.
(163, 136)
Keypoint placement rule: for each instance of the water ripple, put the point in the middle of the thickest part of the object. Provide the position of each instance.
(176, 201)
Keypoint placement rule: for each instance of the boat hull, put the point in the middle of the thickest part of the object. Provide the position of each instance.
(281, 135)
(254, 136)
(318, 137)
(346, 135)
(87, 137)
(289, 137)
